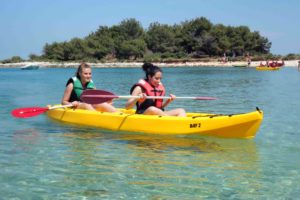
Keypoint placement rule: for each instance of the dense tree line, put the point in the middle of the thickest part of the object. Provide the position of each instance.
(197, 38)
(129, 41)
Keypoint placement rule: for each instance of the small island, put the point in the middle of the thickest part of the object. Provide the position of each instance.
(196, 42)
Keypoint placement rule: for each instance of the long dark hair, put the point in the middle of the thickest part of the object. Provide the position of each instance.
(150, 69)
(82, 65)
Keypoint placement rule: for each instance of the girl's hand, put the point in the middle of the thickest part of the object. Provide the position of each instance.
(75, 104)
(172, 97)
(142, 98)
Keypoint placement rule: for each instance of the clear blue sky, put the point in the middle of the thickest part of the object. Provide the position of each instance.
(26, 26)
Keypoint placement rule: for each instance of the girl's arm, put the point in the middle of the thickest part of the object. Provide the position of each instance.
(166, 103)
(132, 101)
(67, 95)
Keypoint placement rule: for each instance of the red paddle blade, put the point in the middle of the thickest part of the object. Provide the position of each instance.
(28, 112)
(96, 96)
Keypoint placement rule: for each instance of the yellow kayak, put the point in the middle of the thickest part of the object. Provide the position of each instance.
(231, 126)
(267, 68)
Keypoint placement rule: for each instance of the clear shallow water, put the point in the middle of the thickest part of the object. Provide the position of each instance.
(44, 159)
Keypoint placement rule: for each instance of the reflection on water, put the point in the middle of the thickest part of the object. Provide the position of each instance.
(165, 163)
(25, 139)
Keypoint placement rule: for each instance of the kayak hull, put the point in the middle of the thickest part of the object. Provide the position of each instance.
(231, 126)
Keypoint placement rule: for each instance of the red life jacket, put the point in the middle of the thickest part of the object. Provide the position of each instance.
(152, 91)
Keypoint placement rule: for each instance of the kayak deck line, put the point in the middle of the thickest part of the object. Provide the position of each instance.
(123, 120)
(218, 115)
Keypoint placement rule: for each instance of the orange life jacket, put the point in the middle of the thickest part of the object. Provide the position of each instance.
(151, 91)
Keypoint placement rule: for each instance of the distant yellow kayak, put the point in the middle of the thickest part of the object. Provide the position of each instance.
(230, 126)
(267, 68)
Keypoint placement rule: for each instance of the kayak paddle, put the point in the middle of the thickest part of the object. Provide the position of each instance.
(34, 111)
(101, 96)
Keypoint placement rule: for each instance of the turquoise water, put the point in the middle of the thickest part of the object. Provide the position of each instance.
(44, 159)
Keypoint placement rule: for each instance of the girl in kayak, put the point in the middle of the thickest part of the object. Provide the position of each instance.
(151, 86)
(75, 86)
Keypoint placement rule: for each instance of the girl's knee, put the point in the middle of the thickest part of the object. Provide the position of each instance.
(181, 112)
(110, 108)
(89, 107)
(153, 111)
(105, 107)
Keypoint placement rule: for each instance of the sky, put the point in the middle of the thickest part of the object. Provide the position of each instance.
(26, 26)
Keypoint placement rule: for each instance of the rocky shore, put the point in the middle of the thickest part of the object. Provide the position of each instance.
(289, 63)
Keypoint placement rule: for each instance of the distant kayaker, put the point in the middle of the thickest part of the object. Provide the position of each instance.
(152, 86)
(248, 59)
(299, 65)
(75, 86)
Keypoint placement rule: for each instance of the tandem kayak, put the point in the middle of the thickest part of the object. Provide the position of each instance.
(230, 126)
(267, 68)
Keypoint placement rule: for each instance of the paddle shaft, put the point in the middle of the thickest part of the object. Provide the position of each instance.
(101, 96)
(147, 97)
(60, 106)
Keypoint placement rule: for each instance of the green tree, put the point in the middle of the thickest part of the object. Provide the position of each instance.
(219, 34)
(131, 29)
(34, 57)
(262, 44)
(16, 59)
(54, 51)
(128, 35)
(132, 49)
(195, 33)
(78, 49)
(160, 38)
(101, 43)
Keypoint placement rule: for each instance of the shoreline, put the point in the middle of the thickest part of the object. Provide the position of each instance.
(289, 63)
